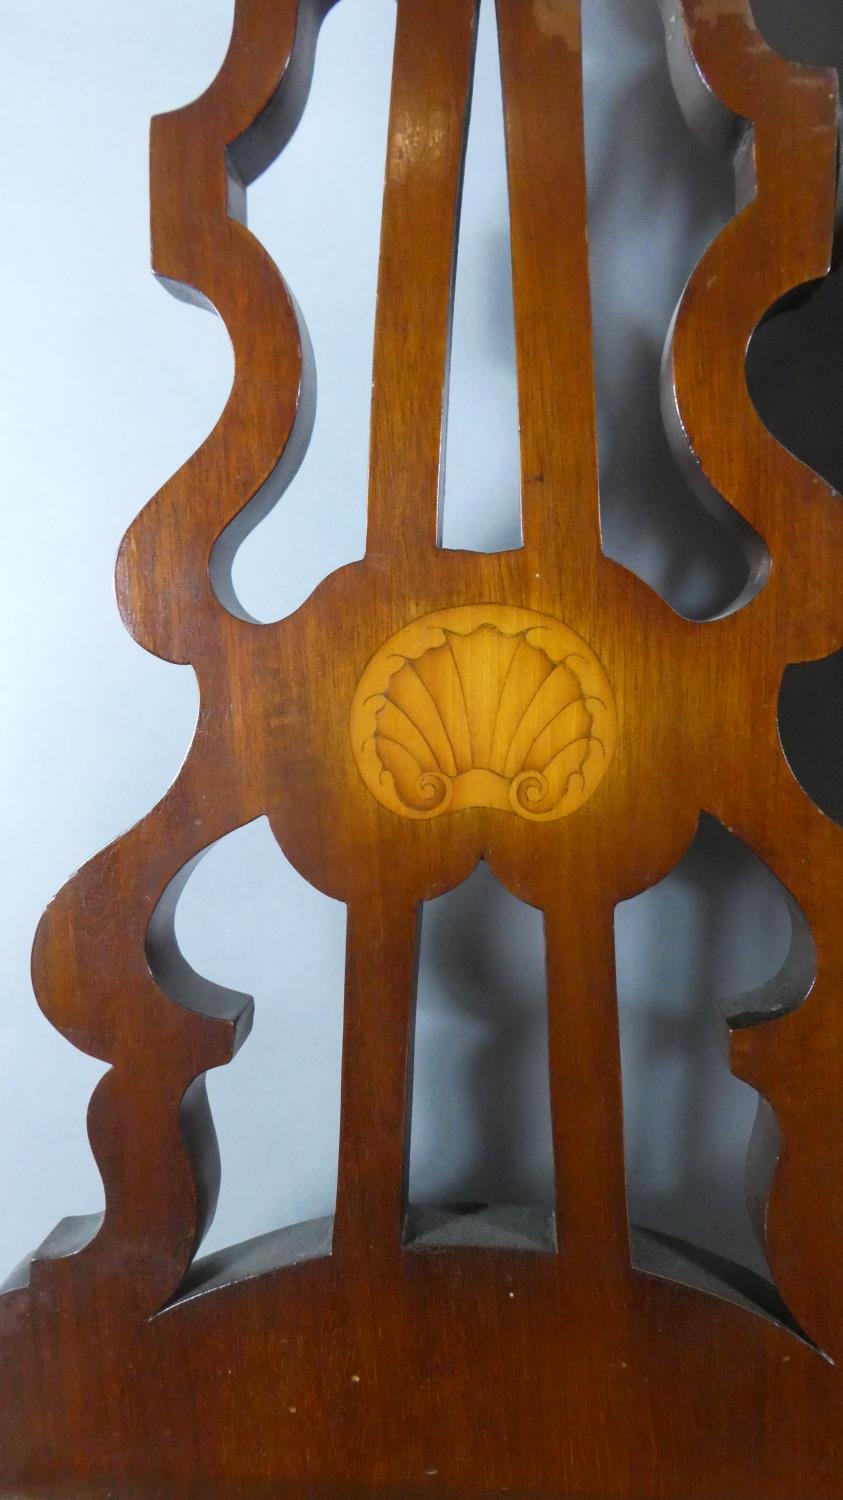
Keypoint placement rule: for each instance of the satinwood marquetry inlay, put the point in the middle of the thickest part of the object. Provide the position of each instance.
(484, 705)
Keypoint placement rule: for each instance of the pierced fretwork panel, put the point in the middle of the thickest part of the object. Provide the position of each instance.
(539, 708)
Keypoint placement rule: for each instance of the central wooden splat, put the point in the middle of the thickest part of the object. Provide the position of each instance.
(510, 689)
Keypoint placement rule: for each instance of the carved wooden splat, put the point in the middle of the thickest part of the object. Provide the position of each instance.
(568, 727)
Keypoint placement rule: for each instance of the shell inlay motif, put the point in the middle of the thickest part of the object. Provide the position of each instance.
(484, 706)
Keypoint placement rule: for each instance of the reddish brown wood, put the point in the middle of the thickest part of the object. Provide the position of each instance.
(608, 1366)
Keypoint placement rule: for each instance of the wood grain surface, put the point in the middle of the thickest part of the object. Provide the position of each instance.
(541, 709)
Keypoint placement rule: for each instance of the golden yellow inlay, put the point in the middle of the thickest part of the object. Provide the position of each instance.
(484, 705)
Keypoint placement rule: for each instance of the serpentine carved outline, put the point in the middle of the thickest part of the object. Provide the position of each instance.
(99, 972)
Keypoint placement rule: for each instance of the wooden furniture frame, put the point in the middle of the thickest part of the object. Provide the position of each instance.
(541, 709)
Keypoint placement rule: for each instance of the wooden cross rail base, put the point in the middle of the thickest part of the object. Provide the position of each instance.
(541, 709)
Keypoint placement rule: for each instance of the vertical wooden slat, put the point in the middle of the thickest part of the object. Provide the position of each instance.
(434, 53)
(541, 64)
(377, 1037)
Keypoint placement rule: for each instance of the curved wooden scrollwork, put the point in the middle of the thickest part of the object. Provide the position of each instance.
(563, 685)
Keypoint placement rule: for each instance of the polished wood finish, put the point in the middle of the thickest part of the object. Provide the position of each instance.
(379, 1354)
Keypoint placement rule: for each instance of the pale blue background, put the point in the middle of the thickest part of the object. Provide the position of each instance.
(108, 384)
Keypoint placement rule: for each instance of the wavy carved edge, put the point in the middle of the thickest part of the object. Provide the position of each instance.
(738, 94)
(217, 144)
(735, 92)
(232, 146)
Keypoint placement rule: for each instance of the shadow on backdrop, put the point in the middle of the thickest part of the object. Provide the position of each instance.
(481, 1124)
(480, 1128)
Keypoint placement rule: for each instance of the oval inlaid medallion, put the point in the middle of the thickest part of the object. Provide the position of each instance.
(484, 705)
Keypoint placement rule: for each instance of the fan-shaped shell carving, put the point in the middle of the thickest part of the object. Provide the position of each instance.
(484, 706)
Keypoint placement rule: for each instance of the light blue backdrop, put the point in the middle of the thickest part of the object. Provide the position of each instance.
(108, 384)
